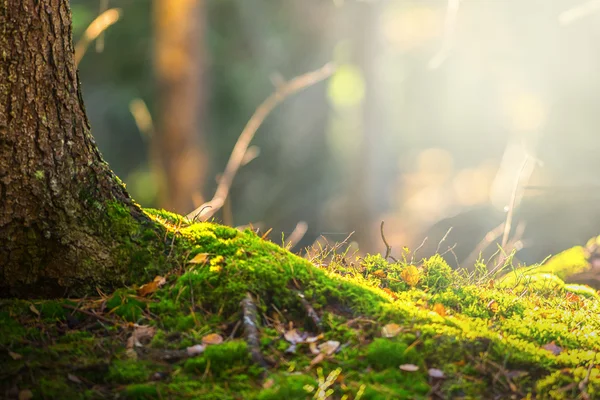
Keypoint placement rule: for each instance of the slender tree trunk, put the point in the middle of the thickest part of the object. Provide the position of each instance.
(67, 224)
(179, 63)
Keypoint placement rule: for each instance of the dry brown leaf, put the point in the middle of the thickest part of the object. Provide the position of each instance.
(391, 330)
(15, 356)
(329, 347)
(409, 367)
(293, 336)
(34, 310)
(320, 357)
(379, 273)
(25, 394)
(199, 258)
(410, 275)
(313, 348)
(140, 333)
(213, 338)
(440, 309)
(147, 289)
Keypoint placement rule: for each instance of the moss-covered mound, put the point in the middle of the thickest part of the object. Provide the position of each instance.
(348, 328)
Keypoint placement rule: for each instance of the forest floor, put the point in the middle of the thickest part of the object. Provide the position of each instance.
(243, 318)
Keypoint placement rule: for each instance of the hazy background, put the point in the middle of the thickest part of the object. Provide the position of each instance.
(427, 123)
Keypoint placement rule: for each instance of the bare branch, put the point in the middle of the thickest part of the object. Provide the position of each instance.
(283, 91)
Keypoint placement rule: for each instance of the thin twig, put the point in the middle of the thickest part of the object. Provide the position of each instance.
(241, 146)
(98, 25)
(91, 314)
(388, 248)
(251, 333)
(584, 383)
(310, 311)
(513, 201)
(443, 240)
(414, 253)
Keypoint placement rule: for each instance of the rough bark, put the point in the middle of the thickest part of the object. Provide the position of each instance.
(67, 224)
(179, 68)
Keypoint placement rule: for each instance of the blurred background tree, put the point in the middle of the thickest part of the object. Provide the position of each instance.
(426, 124)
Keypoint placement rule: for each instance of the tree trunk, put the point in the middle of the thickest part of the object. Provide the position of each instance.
(178, 145)
(67, 224)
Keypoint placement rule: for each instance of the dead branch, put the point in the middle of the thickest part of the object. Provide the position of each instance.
(388, 248)
(282, 91)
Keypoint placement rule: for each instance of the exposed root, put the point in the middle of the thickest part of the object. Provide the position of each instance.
(310, 311)
(251, 333)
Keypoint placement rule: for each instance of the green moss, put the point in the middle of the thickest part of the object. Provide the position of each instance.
(219, 359)
(128, 371)
(124, 304)
(389, 353)
(141, 392)
(287, 386)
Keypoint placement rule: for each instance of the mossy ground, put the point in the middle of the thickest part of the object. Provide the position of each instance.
(526, 335)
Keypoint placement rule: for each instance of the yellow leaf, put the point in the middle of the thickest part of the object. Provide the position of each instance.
(391, 330)
(34, 310)
(380, 273)
(15, 356)
(410, 275)
(199, 258)
(147, 289)
(213, 338)
(439, 308)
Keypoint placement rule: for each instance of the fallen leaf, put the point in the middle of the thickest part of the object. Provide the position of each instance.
(199, 258)
(572, 297)
(553, 348)
(314, 339)
(147, 289)
(409, 367)
(440, 309)
(268, 383)
(213, 338)
(436, 373)
(391, 330)
(291, 349)
(25, 394)
(34, 310)
(317, 359)
(73, 378)
(410, 275)
(329, 347)
(293, 336)
(391, 293)
(195, 350)
(379, 273)
(15, 356)
(140, 333)
(313, 348)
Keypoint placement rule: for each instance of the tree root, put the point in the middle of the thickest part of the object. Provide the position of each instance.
(251, 333)
(310, 311)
